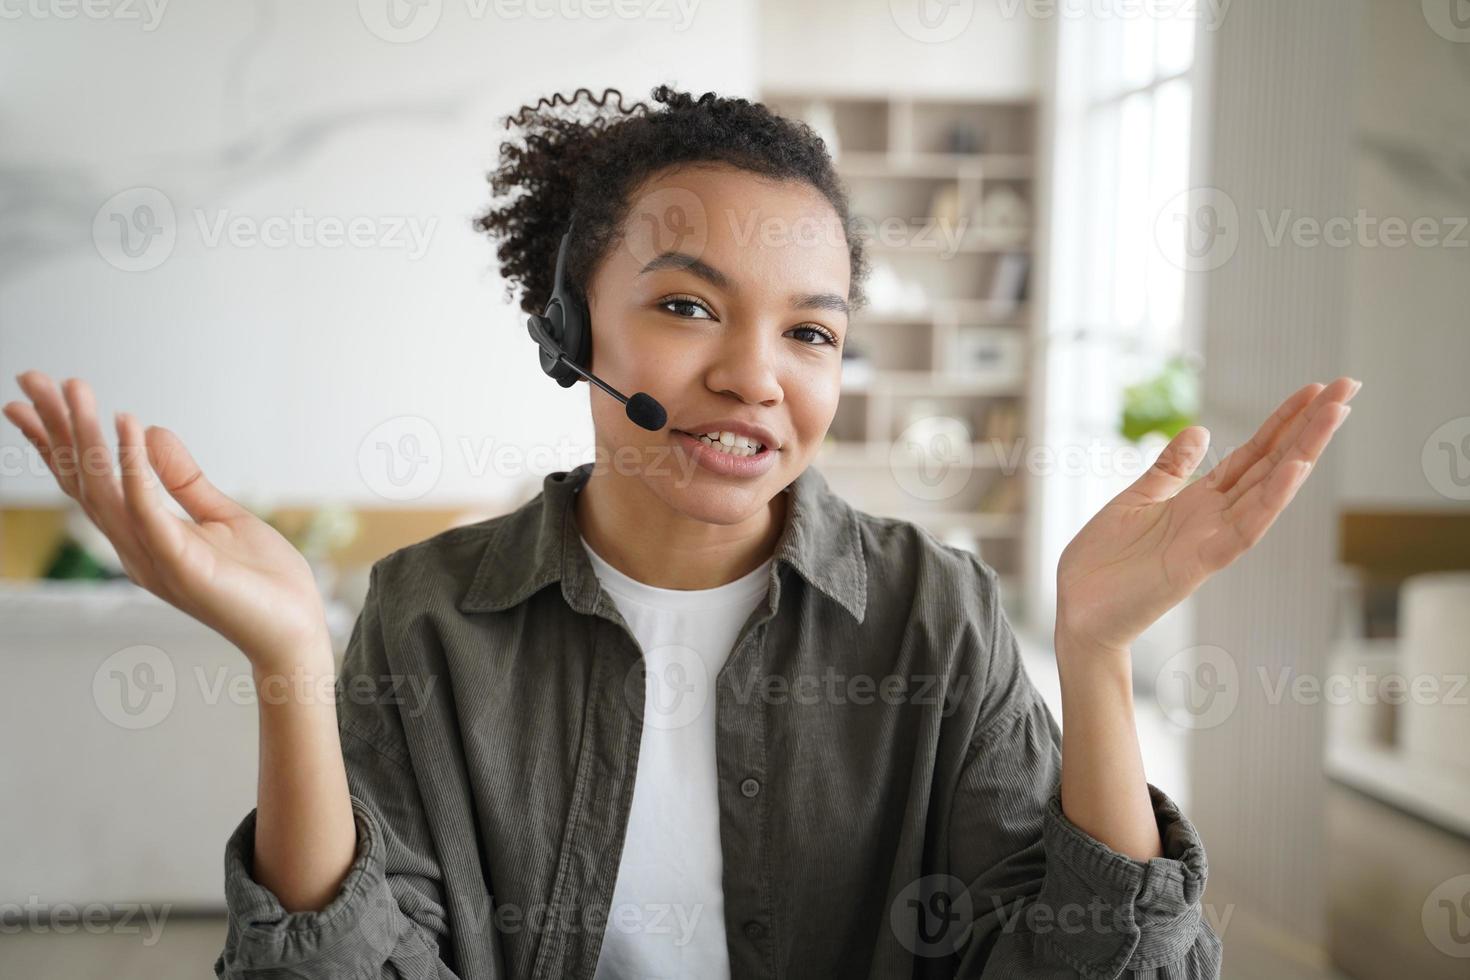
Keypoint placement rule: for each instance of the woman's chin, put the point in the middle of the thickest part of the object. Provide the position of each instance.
(708, 498)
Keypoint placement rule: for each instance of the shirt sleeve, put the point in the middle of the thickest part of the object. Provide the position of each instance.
(388, 917)
(1036, 896)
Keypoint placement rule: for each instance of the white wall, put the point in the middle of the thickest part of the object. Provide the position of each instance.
(274, 364)
(1277, 135)
(973, 48)
(1409, 319)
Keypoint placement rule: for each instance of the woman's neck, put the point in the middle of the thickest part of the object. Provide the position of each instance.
(641, 536)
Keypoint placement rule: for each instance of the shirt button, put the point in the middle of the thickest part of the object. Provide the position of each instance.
(754, 930)
(750, 787)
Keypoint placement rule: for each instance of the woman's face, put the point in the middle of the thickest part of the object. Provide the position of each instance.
(725, 300)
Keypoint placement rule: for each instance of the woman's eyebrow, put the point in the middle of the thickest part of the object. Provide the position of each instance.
(707, 272)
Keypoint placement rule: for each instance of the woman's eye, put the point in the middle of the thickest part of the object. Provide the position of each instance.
(683, 305)
(822, 335)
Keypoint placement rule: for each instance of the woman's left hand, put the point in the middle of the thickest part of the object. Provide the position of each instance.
(1154, 543)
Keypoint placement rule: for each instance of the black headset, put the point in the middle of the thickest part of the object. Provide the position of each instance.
(564, 334)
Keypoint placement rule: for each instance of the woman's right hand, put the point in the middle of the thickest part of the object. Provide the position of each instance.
(226, 567)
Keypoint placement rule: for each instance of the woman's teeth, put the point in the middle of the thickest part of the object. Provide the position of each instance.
(729, 442)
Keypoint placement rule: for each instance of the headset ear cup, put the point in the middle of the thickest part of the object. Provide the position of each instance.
(577, 335)
(567, 324)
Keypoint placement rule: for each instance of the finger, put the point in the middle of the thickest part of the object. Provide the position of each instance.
(98, 484)
(1333, 396)
(1258, 511)
(1233, 466)
(161, 533)
(23, 414)
(49, 406)
(1173, 467)
(185, 481)
(1303, 455)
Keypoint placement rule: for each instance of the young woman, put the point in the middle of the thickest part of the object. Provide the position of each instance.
(687, 713)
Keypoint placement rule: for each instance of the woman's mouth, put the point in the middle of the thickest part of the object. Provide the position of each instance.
(729, 455)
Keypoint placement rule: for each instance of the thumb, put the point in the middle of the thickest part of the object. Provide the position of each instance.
(184, 480)
(1174, 466)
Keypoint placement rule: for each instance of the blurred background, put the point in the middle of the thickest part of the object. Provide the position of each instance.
(1092, 223)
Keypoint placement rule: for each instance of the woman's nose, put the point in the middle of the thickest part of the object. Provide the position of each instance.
(745, 366)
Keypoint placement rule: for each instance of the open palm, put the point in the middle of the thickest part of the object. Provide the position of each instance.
(226, 567)
(1155, 543)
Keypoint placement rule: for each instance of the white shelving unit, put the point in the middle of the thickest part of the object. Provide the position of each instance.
(945, 189)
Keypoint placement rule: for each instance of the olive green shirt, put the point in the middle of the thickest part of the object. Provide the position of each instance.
(888, 776)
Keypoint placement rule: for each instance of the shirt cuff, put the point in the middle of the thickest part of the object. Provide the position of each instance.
(361, 923)
(1109, 912)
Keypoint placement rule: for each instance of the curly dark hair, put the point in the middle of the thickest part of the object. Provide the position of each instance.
(565, 163)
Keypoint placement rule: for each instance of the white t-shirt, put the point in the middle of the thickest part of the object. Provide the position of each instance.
(667, 919)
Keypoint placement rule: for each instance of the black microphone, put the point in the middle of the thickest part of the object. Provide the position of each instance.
(643, 409)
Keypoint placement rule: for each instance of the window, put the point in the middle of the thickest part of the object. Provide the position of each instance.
(1115, 302)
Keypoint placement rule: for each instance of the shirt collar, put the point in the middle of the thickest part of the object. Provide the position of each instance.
(539, 543)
